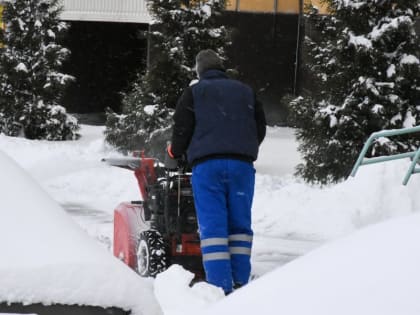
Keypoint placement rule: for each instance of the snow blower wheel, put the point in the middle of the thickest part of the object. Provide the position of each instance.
(151, 254)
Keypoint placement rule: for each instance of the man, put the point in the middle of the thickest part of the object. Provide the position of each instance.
(219, 125)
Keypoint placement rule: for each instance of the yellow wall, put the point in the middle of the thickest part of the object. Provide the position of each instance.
(260, 5)
(283, 6)
(1, 16)
(317, 3)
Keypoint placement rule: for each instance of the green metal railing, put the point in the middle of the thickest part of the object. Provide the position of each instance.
(415, 155)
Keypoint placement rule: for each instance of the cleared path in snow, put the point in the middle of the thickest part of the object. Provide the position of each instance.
(89, 190)
(278, 157)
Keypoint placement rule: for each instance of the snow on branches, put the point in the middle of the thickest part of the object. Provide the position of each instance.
(180, 29)
(364, 61)
(31, 84)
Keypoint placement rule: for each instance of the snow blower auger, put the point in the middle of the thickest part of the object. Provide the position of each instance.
(161, 229)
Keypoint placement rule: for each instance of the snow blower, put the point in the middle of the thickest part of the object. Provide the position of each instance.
(161, 229)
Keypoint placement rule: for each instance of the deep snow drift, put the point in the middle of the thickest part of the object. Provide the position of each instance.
(47, 258)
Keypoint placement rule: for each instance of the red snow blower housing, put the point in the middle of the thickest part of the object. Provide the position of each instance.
(161, 229)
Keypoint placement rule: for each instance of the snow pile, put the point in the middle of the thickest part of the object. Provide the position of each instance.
(72, 171)
(286, 208)
(374, 271)
(43, 248)
(73, 174)
(290, 219)
(176, 297)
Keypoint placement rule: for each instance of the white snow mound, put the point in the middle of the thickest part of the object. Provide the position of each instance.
(374, 271)
(47, 258)
(176, 297)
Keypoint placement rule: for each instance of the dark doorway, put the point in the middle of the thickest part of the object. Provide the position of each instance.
(264, 48)
(105, 58)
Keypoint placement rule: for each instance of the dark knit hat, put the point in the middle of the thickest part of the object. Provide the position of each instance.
(206, 60)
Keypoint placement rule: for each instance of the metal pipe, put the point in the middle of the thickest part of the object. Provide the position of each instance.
(179, 193)
(298, 40)
(378, 134)
(149, 38)
(386, 133)
(361, 156)
(387, 158)
(395, 132)
(412, 169)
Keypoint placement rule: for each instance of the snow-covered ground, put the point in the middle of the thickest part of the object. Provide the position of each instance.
(290, 217)
(47, 258)
(374, 271)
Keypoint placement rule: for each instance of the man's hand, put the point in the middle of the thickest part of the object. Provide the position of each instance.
(170, 161)
(169, 151)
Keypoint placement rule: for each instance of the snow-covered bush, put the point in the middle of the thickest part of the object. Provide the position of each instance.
(31, 84)
(364, 71)
(180, 30)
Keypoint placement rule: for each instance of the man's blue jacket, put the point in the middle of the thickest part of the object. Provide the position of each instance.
(218, 118)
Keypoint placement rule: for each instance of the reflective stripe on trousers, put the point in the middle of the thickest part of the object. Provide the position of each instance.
(242, 244)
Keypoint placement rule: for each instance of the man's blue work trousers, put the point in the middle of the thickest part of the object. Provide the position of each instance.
(223, 192)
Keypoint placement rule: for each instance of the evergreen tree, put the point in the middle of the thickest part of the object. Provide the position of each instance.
(364, 69)
(180, 30)
(31, 83)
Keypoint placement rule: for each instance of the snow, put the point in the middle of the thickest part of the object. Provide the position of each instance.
(390, 25)
(51, 33)
(57, 109)
(43, 248)
(410, 120)
(374, 271)
(409, 60)
(150, 109)
(290, 220)
(393, 98)
(21, 24)
(377, 108)
(21, 67)
(396, 118)
(215, 32)
(277, 147)
(206, 9)
(187, 299)
(359, 41)
(390, 72)
(351, 4)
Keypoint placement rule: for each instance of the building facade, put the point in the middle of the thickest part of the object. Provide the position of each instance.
(122, 11)
(272, 6)
(135, 11)
(108, 49)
